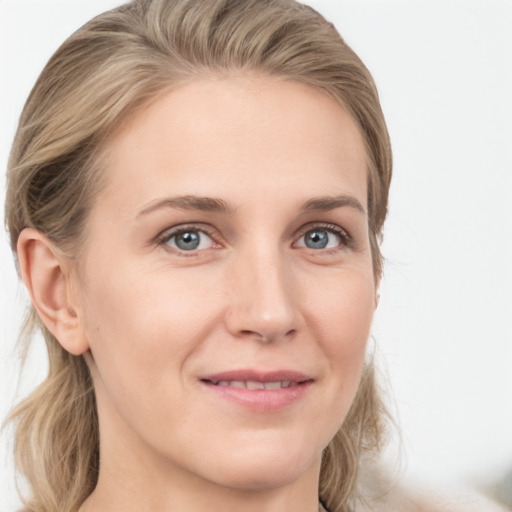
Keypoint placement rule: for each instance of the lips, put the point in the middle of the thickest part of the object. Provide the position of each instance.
(259, 390)
(254, 385)
(286, 378)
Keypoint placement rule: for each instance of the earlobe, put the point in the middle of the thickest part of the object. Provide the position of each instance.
(47, 277)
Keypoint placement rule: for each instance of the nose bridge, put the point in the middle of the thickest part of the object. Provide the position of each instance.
(262, 300)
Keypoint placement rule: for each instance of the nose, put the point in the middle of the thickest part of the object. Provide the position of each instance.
(262, 300)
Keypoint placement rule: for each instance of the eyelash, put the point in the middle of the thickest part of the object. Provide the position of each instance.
(163, 239)
(346, 239)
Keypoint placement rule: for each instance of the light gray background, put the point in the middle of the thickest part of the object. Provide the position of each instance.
(444, 325)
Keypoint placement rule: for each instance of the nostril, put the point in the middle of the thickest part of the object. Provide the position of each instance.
(266, 338)
(256, 336)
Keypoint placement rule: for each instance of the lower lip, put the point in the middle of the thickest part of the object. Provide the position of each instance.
(262, 400)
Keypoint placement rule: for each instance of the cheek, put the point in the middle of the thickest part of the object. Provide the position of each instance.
(141, 325)
(342, 312)
(142, 332)
(343, 308)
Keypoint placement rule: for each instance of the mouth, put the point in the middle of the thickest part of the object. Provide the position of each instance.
(259, 391)
(254, 385)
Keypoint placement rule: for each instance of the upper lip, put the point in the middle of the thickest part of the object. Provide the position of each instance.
(258, 376)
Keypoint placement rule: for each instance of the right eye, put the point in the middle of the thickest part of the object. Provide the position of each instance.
(320, 239)
(188, 240)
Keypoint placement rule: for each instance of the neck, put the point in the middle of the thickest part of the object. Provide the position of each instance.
(133, 491)
(134, 477)
(278, 500)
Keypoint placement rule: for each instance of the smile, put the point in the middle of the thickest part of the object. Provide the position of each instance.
(259, 391)
(255, 385)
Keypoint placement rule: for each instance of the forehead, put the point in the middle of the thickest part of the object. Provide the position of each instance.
(241, 136)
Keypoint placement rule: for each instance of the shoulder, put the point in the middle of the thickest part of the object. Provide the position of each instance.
(382, 494)
(409, 500)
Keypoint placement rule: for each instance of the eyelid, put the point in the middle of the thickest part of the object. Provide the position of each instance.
(164, 236)
(346, 238)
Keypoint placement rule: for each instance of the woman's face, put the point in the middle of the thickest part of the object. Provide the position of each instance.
(226, 283)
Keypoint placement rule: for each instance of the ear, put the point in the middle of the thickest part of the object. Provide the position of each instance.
(46, 273)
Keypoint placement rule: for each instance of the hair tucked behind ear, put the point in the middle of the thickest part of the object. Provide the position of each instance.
(118, 62)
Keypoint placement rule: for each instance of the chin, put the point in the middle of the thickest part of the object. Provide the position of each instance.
(258, 479)
(255, 472)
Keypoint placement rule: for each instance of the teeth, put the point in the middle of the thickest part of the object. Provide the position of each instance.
(254, 385)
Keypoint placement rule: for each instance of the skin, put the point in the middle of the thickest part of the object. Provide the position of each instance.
(153, 320)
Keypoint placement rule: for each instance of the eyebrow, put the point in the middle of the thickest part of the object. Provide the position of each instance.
(325, 204)
(189, 202)
(215, 205)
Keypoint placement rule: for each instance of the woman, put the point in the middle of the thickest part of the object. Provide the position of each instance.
(196, 194)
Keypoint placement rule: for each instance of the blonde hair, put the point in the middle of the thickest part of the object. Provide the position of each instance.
(118, 62)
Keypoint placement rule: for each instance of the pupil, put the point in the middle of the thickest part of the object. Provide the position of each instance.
(188, 241)
(317, 239)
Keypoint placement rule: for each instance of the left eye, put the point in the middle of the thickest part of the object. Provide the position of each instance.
(189, 240)
(319, 239)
